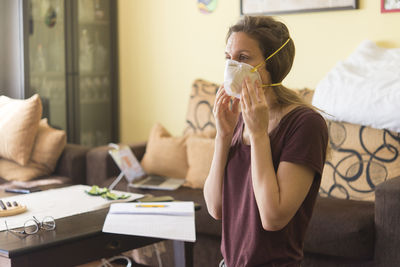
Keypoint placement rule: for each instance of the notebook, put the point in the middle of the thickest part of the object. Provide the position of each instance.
(135, 174)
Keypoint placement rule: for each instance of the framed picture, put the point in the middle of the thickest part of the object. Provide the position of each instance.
(390, 6)
(268, 7)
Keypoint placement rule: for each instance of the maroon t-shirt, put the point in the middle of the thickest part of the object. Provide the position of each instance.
(300, 137)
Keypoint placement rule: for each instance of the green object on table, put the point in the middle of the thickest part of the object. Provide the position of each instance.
(113, 196)
(105, 193)
(97, 191)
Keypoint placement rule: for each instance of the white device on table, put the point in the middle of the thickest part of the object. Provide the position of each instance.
(135, 174)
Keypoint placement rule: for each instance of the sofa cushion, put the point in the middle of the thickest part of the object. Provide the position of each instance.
(341, 228)
(199, 116)
(200, 152)
(48, 146)
(360, 158)
(10, 170)
(165, 155)
(306, 94)
(19, 121)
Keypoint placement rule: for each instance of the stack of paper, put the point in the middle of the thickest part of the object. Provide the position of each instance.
(168, 220)
(58, 203)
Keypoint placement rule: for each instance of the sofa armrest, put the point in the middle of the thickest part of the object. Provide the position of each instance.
(100, 165)
(387, 217)
(72, 163)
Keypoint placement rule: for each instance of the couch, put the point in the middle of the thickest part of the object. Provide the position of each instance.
(32, 153)
(70, 169)
(351, 225)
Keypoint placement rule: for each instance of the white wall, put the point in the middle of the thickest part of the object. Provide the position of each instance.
(11, 49)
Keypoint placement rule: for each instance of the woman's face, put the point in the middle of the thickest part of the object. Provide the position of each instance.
(242, 48)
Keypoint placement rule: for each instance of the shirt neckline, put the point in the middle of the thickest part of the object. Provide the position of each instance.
(273, 131)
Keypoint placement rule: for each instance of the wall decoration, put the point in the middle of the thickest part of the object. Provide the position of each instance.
(390, 6)
(207, 6)
(267, 7)
(50, 17)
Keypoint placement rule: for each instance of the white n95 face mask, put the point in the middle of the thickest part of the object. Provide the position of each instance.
(234, 75)
(236, 72)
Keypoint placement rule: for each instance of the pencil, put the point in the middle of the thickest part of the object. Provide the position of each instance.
(150, 206)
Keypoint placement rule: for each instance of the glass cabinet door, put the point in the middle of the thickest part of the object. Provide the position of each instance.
(95, 61)
(70, 61)
(47, 58)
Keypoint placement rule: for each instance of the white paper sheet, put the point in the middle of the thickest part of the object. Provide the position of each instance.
(58, 203)
(175, 221)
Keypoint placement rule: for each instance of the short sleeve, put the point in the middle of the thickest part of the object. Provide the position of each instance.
(306, 142)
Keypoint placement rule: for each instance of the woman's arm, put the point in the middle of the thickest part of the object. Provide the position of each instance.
(213, 184)
(226, 117)
(278, 195)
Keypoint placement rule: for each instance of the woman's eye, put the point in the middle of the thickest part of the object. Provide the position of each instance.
(243, 57)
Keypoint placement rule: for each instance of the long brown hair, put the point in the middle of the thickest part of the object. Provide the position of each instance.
(272, 34)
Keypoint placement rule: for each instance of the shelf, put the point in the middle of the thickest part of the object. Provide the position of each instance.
(48, 73)
(95, 102)
(94, 73)
(42, 21)
(91, 23)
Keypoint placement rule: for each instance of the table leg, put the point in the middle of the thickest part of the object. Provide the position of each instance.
(183, 253)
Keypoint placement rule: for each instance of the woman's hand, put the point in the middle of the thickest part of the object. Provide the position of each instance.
(226, 115)
(254, 108)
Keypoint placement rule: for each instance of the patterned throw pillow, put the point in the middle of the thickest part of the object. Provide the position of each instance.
(199, 116)
(306, 94)
(360, 158)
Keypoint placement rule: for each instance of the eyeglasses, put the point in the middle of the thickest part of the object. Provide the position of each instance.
(32, 226)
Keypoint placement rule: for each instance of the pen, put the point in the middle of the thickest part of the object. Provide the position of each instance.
(150, 206)
(2, 205)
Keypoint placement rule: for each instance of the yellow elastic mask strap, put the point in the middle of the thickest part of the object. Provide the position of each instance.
(273, 54)
(272, 84)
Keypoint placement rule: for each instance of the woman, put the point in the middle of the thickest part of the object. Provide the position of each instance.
(268, 159)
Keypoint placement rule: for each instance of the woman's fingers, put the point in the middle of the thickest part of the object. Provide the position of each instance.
(245, 99)
(221, 103)
(218, 97)
(259, 92)
(251, 91)
(235, 105)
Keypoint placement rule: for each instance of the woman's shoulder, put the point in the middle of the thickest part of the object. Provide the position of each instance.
(305, 113)
(305, 117)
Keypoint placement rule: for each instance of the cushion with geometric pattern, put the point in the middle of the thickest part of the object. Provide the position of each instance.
(360, 158)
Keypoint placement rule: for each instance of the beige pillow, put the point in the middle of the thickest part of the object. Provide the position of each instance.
(19, 121)
(49, 144)
(165, 155)
(200, 153)
(361, 158)
(9, 170)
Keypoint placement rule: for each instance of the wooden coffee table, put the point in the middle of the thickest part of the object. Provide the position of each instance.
(77, 240)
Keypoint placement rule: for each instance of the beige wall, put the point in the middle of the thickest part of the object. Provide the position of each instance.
(165, 45)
